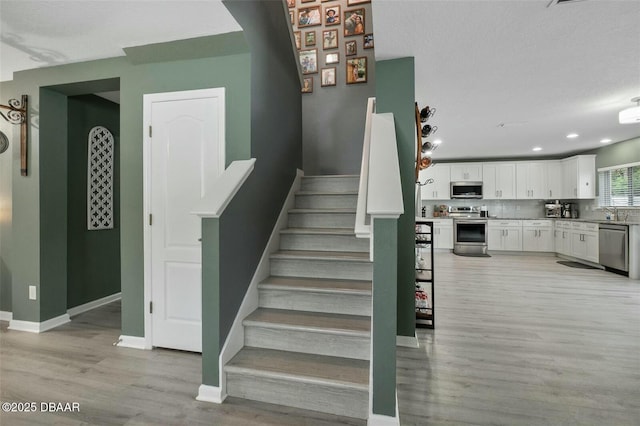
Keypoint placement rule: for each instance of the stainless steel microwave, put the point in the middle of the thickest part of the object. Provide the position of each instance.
(466, 190)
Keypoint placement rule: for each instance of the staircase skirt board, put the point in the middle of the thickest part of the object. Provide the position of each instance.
(339, 400)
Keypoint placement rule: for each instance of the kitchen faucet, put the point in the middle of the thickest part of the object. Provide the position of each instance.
(613, 211)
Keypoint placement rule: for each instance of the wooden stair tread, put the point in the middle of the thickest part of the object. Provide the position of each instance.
(310, 321)
(299, 366)
(317, 284)
(330, 176)
(322, 255)
(319, 231)
(327, 193)
(323, 210)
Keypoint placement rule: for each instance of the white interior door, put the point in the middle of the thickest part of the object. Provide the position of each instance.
(185, 155)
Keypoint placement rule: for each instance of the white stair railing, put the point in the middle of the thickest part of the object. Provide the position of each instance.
(363, 225)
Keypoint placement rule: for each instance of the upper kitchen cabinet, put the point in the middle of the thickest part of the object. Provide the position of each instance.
(499, 181)
(470, 172)
(553, 190)
(439, 189)
(531, 180)
(579, 175)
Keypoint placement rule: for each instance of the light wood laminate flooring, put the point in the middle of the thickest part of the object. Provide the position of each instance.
(519, 340)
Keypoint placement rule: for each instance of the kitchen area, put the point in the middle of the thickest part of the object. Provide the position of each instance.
(545, 207)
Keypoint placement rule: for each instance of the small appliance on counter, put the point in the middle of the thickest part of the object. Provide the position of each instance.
(552, 209)
(484, 212)
(569, 211)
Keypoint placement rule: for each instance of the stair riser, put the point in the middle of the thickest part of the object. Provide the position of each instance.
(334, 303)
(323, 242)
(321, 184)
(311, 268)
(332, 201)
(322, 220)
(320, 343)
(309, 396)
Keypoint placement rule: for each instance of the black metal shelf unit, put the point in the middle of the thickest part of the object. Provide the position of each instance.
(425, 288)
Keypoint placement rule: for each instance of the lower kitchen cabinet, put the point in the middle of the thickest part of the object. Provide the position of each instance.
(537, 235)
(584, 241)
(443, 234)
(562, 237)
(505, 235)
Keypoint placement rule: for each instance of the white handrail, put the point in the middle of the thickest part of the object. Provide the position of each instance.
(384, 196)
(363, 226)
(224, 189)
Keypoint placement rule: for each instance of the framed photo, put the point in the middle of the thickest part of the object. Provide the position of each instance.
(309, 16)
(291, 17)
(332, 15)
(309, 61)
(296, 36)
(332, 58)
(307, 85)
(310, 38)
(367, 41)
(354, 2)
(330, 39)
(291, 4)
(350, 48)
(328, 77)
(307, 1)
(353, 22)
(357, 70)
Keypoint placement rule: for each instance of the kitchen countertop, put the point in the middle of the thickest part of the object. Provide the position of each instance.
(612, 222)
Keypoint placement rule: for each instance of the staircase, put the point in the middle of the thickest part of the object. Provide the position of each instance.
(308, 343)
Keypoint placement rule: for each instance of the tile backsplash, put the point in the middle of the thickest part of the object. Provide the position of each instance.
(515, 209)
(589, 209)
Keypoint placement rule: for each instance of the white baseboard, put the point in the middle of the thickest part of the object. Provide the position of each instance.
(6, 316)
(235, 339)
(93, 304)
(39, 327)
(132, 342)
(210, 394)
(380, 420)
(407, 341)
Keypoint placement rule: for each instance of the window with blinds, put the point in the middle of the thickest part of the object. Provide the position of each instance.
(620, 185)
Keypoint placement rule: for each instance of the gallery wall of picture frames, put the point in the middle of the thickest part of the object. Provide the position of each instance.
(332, 38)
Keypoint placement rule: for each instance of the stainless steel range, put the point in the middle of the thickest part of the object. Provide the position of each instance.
(469, 231)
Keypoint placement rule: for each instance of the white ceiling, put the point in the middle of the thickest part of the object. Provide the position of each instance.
(504, 76)
(542, 71)
(50, 32)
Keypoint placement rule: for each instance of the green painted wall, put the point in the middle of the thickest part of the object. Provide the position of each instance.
(619, 153)
(93, 257)
(385, 273)
(27, 264)
(395, 92)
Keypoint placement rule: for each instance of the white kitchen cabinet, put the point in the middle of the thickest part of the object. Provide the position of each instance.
(554, 180)
(579, 175)
(505, 235)
(440, 188)
(498, 181)
(584, 241)
(531, 180)
(562, 236)
(443, 233)
(537, 235)
(470, 172)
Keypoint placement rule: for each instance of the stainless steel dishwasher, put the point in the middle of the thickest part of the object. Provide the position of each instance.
(614, 246)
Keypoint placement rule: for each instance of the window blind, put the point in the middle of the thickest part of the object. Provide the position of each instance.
(620, 186)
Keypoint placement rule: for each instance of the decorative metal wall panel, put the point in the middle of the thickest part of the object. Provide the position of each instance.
(100, 175)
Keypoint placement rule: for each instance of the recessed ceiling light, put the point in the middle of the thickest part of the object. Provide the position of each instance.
(572, 135)
(437, 142)
(605, 141)
(537, 148)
